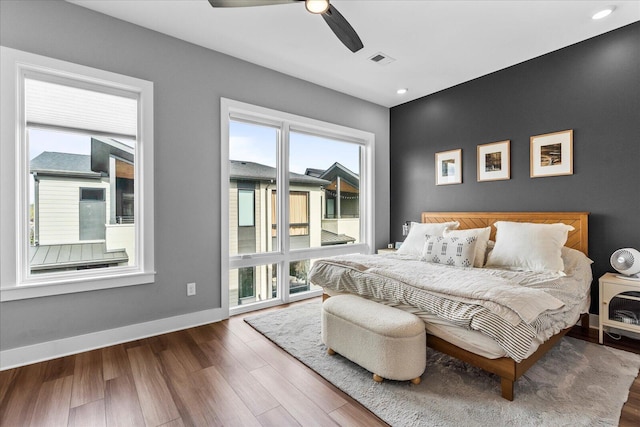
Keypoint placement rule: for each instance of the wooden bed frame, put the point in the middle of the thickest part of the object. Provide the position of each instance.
(506, 368)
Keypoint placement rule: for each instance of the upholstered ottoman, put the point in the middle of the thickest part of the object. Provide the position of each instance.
(384, 340)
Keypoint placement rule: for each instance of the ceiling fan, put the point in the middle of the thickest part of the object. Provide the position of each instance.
(338, 24)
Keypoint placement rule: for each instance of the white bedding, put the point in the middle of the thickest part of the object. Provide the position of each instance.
(470, 340)
(493, 313)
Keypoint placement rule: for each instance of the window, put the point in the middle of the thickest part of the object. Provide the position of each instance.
(298, 272)
(246, 208)
(84, 179)
(298, 213)
(325, 170)
(330, 213)
(246, 284)
(92, 194)
(251, 284)
(91, 218)
(249, 184)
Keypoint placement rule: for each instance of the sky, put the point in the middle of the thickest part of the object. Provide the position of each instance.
(255, 143)
(63, 142)
(249, 142)
(45, 140)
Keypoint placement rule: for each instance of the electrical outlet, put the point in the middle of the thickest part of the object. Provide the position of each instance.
(191, 289)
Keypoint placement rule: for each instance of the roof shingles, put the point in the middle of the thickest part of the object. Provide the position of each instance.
(240, 169)
(50, 161)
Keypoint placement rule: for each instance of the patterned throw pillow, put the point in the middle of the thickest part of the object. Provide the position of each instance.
(454, 251)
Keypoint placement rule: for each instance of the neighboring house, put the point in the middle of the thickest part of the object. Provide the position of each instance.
(252, 226)
(83, 208)
(341, 208)
(324, 207)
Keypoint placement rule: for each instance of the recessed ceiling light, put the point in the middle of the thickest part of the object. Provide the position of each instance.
(402, 91)
(603, 13)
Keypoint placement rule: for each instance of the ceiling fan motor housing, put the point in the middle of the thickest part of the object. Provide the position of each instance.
(626, 261)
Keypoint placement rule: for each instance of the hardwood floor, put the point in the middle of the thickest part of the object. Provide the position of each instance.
(224, 373)
(218, 374)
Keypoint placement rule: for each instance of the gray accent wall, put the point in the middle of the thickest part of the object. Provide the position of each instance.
(188, 83)
(592, 87)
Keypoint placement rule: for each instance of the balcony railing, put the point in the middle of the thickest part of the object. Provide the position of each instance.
(125, 219)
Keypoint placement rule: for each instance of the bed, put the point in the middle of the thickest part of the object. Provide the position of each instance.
(467, 329)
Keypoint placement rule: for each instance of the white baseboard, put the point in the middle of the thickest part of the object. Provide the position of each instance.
(26, 355)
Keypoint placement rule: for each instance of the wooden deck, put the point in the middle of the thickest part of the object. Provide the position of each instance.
(56, 257)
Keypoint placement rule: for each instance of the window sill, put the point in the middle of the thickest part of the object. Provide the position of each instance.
(16, 293)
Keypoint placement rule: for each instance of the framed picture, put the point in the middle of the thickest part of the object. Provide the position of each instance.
(494, 161)
(552, 154)
(449, 167)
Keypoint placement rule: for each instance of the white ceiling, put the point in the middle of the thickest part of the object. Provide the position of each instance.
(435, 44)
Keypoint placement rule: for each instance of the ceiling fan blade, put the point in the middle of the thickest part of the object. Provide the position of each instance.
(342, 29)
(246, 3)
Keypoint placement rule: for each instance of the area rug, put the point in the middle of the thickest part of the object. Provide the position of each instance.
(576, 384)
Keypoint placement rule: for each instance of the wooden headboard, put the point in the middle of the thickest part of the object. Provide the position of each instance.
(578, 238)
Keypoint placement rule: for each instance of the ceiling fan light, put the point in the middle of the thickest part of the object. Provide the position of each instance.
(603, 13)
(317, 6)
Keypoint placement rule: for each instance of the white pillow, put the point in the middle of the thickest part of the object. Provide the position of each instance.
(414, 242)
(574, 259)
(454, 251)
(482, 235)
(528, 246)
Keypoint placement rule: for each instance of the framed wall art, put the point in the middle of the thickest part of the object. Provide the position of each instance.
(494, 161)
(449, 167)
(552, 154)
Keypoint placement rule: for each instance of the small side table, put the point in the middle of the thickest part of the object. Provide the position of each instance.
(386, 250)
(619, 304)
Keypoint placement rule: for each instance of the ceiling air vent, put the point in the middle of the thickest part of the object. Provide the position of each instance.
(381, 58)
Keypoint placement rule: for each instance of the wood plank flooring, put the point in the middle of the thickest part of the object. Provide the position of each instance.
(224, 373)
(218, 374)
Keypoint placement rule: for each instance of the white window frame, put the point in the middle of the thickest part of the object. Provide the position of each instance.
(15, 281)
(283, 255)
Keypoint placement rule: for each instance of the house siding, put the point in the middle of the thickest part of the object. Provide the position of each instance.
(59, 208)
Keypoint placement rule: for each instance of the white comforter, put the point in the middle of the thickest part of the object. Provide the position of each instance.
(512, 307)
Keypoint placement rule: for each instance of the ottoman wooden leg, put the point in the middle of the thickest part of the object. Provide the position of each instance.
(330, 352)
(377, 378)
(416, 381)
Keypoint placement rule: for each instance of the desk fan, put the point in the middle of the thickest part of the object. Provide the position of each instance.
(627, 262)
